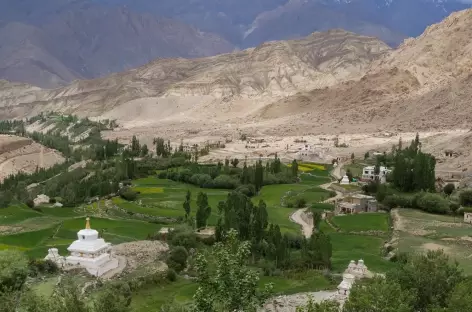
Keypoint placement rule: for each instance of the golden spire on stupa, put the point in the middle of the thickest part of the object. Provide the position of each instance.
(87, 223)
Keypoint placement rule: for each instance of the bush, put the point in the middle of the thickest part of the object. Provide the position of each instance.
(300, 202)
(465, 198)
(433, 203)
(185, 239)
(177, 259)
(249, 190)
(30, 203)
(128, 194)
(52, 200)
(225, 182)
(162, 175)
(171, 275)
(42, 267)
(449, 189)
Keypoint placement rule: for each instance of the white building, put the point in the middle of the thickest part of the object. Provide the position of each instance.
(91, 252)
(368, 173)
(88, 252)
(345, 180)
(468, 217)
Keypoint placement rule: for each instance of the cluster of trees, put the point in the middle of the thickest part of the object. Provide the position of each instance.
(230, 176)
(421, 283)
(267, 242)
(413, 169)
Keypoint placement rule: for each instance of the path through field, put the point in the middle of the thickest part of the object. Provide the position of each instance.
(303, 219)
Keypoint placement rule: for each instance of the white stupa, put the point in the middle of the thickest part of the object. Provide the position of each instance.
(91, 252)
(345, 180)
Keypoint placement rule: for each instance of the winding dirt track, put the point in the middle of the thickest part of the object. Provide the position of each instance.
(300, 216)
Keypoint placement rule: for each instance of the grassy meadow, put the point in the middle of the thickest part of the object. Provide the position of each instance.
(35, 231)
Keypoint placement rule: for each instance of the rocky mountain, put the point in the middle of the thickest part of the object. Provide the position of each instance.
(424, 84)
(175, 88)
(328, 82)
(50, 43)
(67, 40)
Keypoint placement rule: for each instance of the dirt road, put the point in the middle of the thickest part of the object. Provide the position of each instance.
(301, 217)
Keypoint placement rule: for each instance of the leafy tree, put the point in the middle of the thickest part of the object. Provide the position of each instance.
(203, 210)
(431, 277)
(232, 285)
(258, 176)
(379, 295)
(317, 218)
(13, 270)
(234, 162)
(352, 157)
(366, 155)
(465, 198)
(177, 259)
(460, 299)
(449, 189)
(135, 146)
(144, 150)
(187, 204)
(294, 168)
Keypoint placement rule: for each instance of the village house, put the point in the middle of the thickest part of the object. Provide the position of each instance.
(368, 174)
(468, 217)
(356, 203)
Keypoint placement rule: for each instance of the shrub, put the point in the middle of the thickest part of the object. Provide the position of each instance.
(52, 200)
(42, 266)
(433, 203)
(225, 182)
(171, 275)
(300, 202)
(162, 175)
(249, 190)
(449, 189)
(177, 259)
(185, 239)
(13, 270)
(128, 194)
(30, 203)
(465, 198)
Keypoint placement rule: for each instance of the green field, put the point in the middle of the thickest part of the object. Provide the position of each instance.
(362, 222)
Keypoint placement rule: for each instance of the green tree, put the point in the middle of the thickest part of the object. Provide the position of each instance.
(231, 285)
(186, 204)
(13, 270)
(234, 162)
(460, 299)
(135, 146)
(431, 277)
(352, 157)
(203, 210)
(258, 176)
(449, 189)
(366, 155)
(144, 150)
(294, 168)
(379, 295)
(177, 259)
(317, 218)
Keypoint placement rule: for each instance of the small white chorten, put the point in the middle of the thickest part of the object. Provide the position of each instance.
(53, 255)
(345, 180)
(91, 252)
(345, 287)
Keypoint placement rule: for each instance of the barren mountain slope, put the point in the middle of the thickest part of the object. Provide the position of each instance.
(425, 84)
(166, 88)
(85, 40)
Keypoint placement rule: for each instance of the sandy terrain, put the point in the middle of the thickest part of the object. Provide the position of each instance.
(22, 154)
